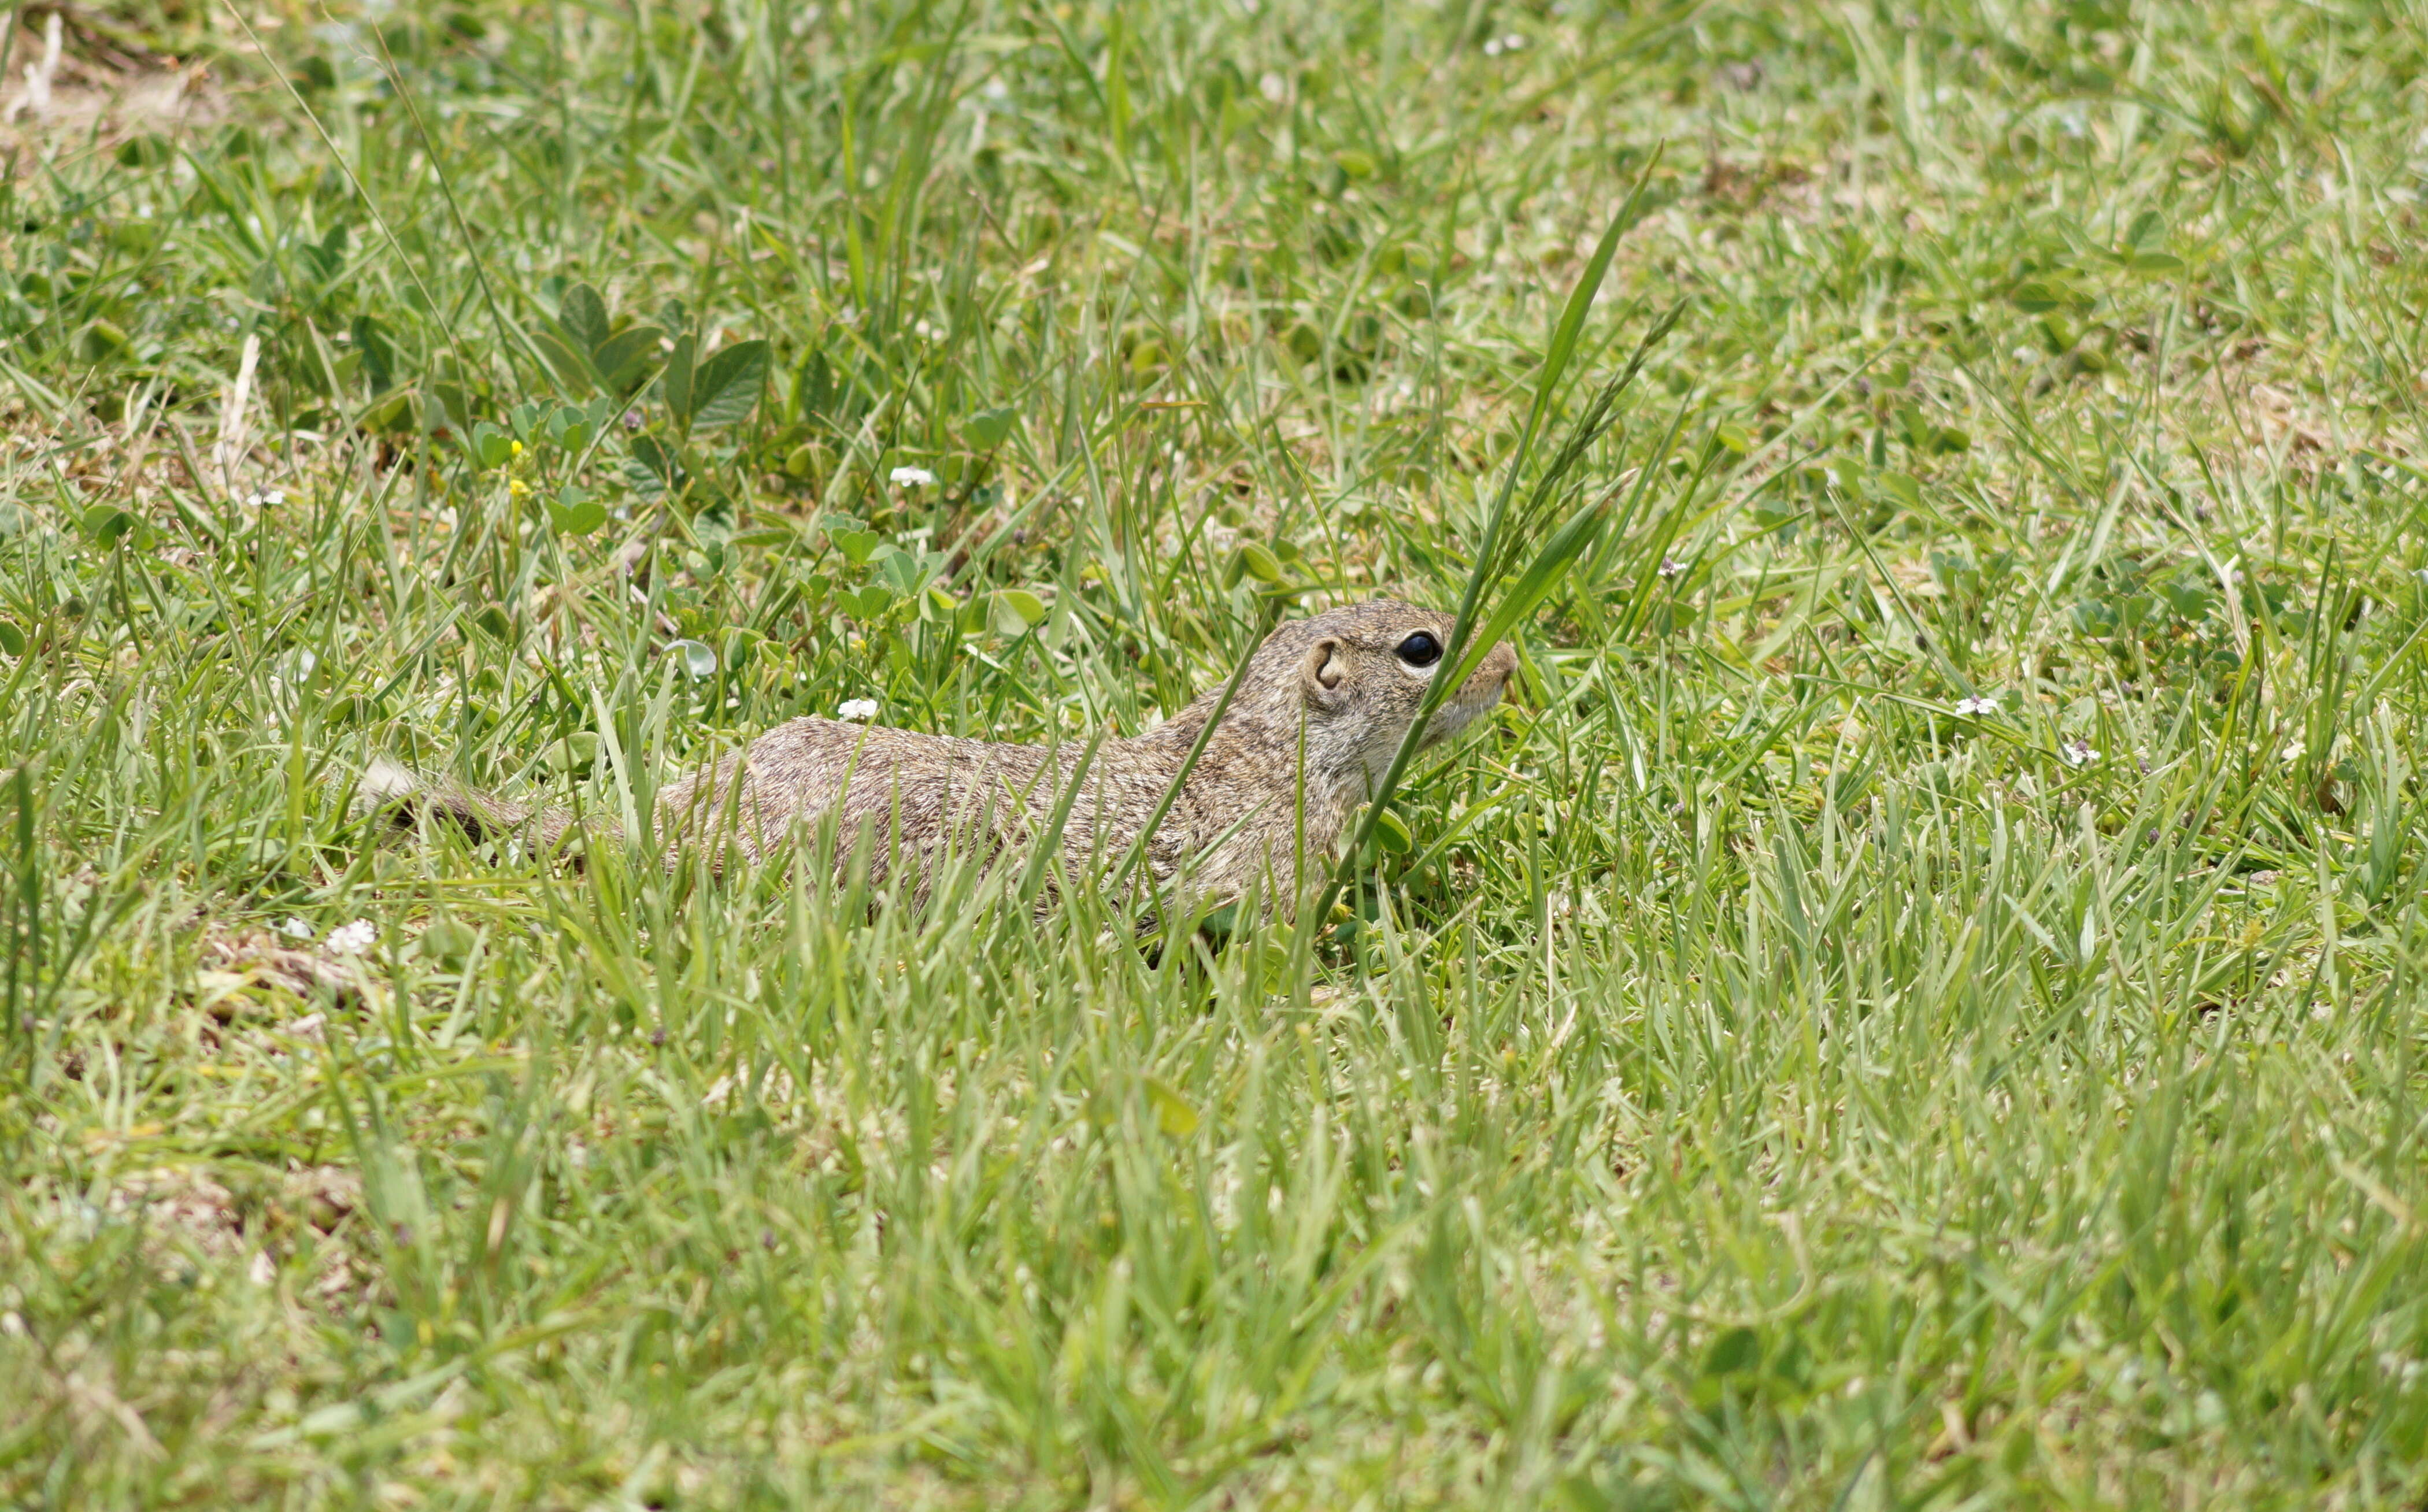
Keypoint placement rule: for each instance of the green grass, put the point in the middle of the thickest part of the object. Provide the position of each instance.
(1761, 1084)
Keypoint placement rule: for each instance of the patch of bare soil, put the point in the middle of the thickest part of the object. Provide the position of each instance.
(74, 82)
(219, 1214)
(235, 964)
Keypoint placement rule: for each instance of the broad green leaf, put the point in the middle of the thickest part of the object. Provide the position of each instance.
(575, 751)
(584, 315)
(987, 429)
(449, 940)
(856, 546)
(1733, 1353)
(1259, 562)
(1028, 606)
(2040, 296)
(572, 368)
(379, 352)
(390, 415)
(447, 407)
(695, 659)
(1014, 612)
(728, 384)
(12, 640)
(1392, 831)
(490, 447)
(1172, 1114)
(676, 382)
(569, 427)
(107, 524)
(623, 361)
(574, 513)
(652, 469)
(908, 570)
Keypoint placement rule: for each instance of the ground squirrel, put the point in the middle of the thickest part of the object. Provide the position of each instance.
(1331, 696)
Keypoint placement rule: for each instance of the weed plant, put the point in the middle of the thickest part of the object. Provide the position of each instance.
(1914, 1002)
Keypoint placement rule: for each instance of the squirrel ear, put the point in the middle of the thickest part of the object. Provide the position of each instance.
(1324, 670)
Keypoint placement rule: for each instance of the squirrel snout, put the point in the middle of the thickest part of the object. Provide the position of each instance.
(1490, 677)
(1482, 690)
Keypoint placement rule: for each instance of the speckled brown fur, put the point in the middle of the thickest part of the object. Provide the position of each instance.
(1331, 681)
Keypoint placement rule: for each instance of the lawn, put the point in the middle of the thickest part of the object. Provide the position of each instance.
(1914, 1001)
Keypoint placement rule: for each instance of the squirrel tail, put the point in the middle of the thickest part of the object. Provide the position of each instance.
(408, 799)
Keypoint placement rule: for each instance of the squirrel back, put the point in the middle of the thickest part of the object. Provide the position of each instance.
(1317, 717)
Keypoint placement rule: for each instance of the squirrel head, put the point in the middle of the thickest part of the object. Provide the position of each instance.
(1355, 676)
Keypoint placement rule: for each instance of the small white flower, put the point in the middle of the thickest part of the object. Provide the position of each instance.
(2078, 754)
(1492, 48)
(296, 930)
(353, 939)
(925, 330)
(856, 711)
(1670, 567)
(2293, 753)
(912, 478)
(265, 498)
(1977, 706)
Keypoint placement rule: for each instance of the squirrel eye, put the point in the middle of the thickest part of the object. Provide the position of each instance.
(1421, 650)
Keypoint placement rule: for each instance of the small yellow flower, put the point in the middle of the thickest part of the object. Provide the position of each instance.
(518, 490)
(517, 449)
